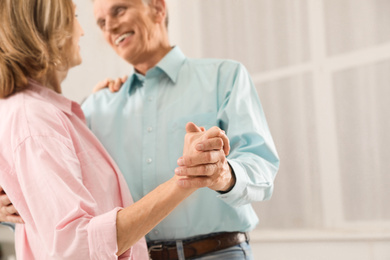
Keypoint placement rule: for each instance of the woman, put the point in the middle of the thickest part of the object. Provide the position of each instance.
(69, 192)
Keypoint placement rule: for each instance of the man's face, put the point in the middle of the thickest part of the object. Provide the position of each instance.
(128, 26)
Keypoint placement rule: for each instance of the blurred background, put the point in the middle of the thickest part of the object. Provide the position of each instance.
(322, 72)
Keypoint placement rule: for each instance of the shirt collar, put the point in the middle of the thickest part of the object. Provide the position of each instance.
(170, 65)
(138, 78)
(134, 81)
(51, 96)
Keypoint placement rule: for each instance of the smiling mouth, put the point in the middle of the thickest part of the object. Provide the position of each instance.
(123, 37)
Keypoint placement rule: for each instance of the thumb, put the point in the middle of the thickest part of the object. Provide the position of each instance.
(191, 128)
(101, 85)
(124, 78)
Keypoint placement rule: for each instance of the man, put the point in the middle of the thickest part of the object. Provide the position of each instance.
(146, 118)
(142, 127)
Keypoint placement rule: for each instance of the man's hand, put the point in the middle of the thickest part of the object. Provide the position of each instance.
(204, 159)
(113, 85)
(8, 212)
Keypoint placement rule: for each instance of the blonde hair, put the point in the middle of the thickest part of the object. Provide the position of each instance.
(34, 37)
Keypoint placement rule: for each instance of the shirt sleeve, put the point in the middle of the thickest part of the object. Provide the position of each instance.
(253, 156)
(60, 210)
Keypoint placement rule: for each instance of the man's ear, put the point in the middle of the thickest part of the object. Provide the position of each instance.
(159, 10)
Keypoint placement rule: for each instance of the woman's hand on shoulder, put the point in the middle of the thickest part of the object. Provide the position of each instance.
(113, 85)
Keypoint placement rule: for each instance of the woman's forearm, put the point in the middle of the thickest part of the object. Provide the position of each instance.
(137, 220)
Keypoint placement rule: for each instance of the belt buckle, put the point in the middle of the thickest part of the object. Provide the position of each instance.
(158, 247)
(154, 248)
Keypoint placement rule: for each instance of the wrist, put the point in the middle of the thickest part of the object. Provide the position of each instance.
(231, 183)
(179, 186)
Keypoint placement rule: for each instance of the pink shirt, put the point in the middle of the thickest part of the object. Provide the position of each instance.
(64, 184)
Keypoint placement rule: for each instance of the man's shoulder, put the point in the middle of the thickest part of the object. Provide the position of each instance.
(101, 98)
(213, 62)
(215, 67)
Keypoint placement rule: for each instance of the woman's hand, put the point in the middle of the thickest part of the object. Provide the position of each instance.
(8, 212)
(113, 85)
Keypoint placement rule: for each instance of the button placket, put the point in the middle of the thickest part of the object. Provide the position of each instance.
(149, 139)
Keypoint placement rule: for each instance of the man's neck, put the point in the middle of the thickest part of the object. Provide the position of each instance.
(151, 60)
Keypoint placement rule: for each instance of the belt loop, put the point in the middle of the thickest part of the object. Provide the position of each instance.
(180, 251)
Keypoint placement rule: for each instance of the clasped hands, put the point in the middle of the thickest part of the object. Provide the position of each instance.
(204, 163)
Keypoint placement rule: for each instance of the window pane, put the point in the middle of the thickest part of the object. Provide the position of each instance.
(363, 121)
(262, 34)
(288, 104)
(356, 24)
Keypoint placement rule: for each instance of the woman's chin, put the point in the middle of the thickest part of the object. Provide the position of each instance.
(76, 63)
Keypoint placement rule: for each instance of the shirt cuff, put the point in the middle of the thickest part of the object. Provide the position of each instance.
(235, 195)
(102, 237)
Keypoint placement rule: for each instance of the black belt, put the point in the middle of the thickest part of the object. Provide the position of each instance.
(195, 247)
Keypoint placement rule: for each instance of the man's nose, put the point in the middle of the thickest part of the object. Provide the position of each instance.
(111, 24)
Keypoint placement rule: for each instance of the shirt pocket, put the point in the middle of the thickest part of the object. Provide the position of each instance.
(178, 130)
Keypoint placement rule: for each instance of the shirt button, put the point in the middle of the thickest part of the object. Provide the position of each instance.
(150, 99)
(149, 160)
(150, 129)
(156, 232)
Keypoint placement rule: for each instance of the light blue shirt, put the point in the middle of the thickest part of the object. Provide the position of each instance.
(143, 127)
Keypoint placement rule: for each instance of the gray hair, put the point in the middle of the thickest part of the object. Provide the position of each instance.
(147, 2)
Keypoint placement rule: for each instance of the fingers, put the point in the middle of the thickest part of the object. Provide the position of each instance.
(201, 158)
(199, 170)
(115, 85)
(8, 212)
(215, 143)
(112, 85)
(217, 132)
(216, 176)
(209, 134)
(15, 219)
(101, 85)
(124, 78)
(226, 144)
(4, 200)
(213, 132)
